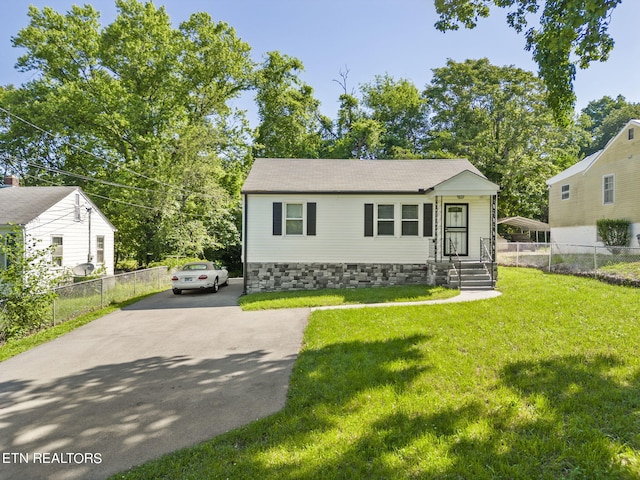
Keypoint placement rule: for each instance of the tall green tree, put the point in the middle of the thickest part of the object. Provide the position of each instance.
(561, 34)
(498, 119)
(139, 114)
(602, 119)
(288, 112)
(399, 107)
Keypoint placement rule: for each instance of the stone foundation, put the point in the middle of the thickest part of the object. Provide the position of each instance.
(266, 277)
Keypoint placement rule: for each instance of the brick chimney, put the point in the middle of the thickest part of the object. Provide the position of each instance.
(11, 181)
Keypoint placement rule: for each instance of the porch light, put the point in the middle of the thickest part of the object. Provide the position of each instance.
(460, 197)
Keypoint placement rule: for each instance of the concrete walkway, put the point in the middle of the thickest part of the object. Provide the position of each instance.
(464, 296)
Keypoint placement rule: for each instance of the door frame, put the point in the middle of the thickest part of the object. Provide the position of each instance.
(446, 229)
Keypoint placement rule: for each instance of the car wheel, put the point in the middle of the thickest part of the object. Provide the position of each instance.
(215, 287)
(177, 291)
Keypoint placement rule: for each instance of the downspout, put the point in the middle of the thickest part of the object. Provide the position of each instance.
(89, 257)
(245, 211)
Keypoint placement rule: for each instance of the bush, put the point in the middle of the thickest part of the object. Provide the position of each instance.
(172, 263)
(614, 232)
(127, 265)
(27, 283)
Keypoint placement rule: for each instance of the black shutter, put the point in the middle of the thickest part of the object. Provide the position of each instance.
(368, 219)
(428, 220)
(311, 218)
(277, 218)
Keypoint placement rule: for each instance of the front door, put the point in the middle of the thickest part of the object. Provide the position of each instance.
(456, 229)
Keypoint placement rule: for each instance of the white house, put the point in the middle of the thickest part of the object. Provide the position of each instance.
(60, 216)
(320, 223)
(603, 185)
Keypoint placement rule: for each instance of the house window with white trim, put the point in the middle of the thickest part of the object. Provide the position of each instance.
(608, 189)
(100, 249)
(565, 191)
(410, 220)
(56, 255)
(386, 219)
(630, 134)
(294, 219)
(76, 209)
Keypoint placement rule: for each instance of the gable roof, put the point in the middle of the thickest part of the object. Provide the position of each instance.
(580, 167)
(20, 205)
(288, 175)
(585, 164)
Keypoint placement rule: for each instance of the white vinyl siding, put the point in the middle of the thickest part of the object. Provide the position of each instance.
(340, 220)
(60, 221)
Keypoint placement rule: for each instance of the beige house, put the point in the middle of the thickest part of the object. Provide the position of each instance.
(606, 184)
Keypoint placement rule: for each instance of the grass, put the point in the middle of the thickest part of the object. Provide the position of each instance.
(542, 382)
(15, 346)
(627, 270)
(327, 297)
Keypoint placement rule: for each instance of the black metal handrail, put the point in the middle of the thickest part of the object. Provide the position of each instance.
(452, 248)
(486, 257)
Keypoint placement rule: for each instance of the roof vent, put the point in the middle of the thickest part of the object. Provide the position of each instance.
(11, 181)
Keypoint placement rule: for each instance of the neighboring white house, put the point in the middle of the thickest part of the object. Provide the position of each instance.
(59, 216)
(605, 184)
(320, 223)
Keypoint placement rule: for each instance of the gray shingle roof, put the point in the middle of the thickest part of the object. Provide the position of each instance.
(286, 175)
(20, 205)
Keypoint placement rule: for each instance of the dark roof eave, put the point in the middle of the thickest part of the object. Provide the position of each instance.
(335, 192)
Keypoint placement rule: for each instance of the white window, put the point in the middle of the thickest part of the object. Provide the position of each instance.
(294, 219)
(77, 216)
(410, 220)
(100, 249)
(4, 243)
(565, 192)
(386, 219)
(630, 134)
(56, 256)
(608, 189)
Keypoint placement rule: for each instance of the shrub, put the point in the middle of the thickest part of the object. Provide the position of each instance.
(27, 284)
(614, 232)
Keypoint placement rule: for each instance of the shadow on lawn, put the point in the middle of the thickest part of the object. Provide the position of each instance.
(571, 419)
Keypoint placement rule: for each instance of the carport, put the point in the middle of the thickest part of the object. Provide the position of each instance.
(527, 225)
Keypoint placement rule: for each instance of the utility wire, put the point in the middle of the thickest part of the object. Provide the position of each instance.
(117, 165)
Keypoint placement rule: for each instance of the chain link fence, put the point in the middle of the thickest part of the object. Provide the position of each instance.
(564, 258)
(79, 298)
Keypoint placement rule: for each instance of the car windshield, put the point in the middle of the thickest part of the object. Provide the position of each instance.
(195, 266)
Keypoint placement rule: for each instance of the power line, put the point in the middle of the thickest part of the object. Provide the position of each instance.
(137, 205)
(117, 165)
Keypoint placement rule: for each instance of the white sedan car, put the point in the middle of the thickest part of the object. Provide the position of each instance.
(199, 276)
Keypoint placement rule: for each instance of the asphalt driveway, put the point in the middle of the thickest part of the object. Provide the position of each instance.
(162, 374)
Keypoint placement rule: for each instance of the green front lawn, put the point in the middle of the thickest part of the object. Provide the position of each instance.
(343, 296)
(542, 382)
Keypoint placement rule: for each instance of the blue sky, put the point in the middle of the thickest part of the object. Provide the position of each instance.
(369, 37)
